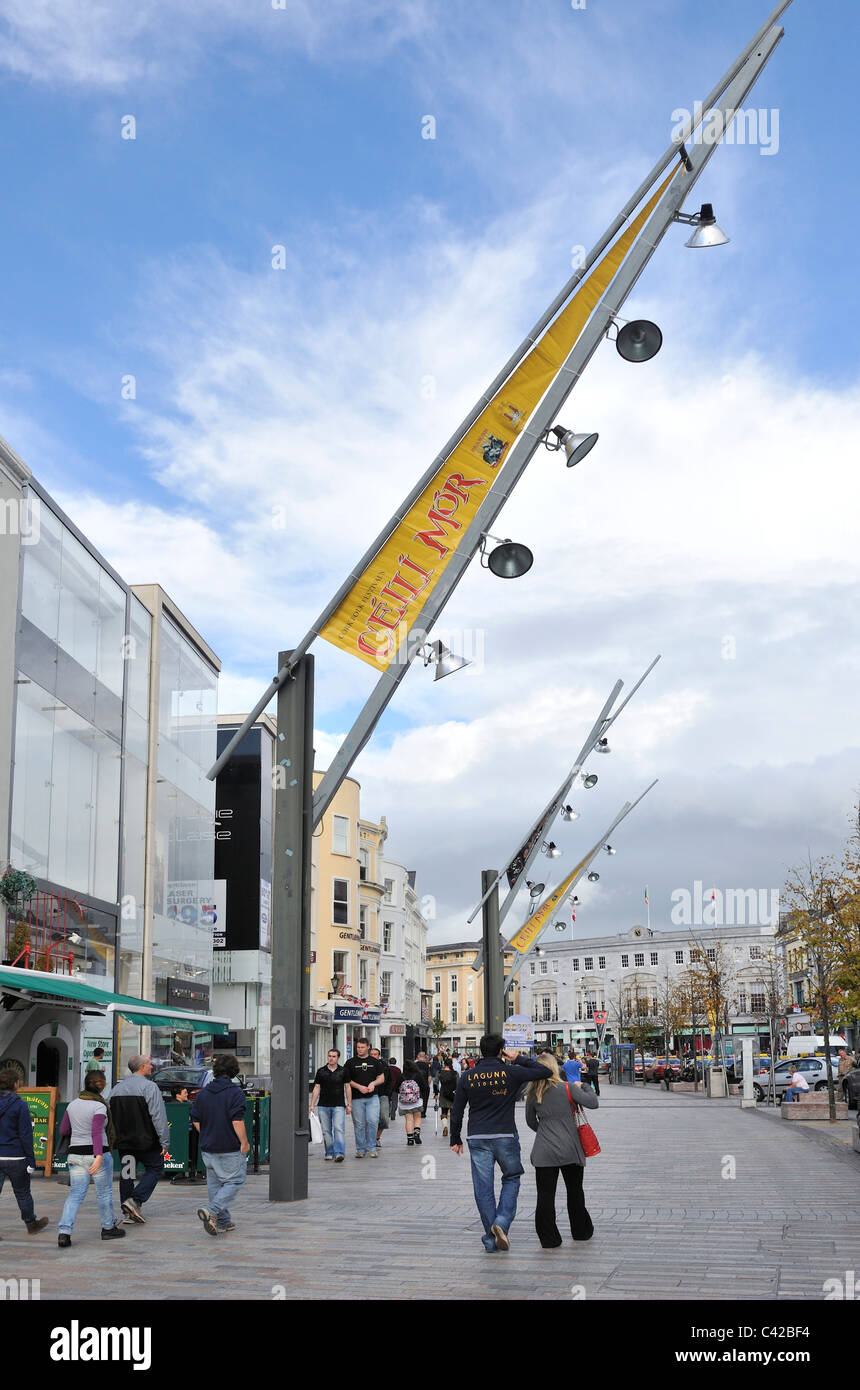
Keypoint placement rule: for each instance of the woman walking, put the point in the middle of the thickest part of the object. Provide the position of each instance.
(91, 1138)
(410, 1102)
(448, 1079)
(549, 1111)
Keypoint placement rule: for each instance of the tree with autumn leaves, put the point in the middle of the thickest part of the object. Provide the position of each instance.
(822, 923)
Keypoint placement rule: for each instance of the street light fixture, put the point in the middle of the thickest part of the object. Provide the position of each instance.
(589, 780)
(446, 661)
(639, 341)
(561, 926)
(535, 889)
(706, 232)
(568, 813)
(602, 746)
(551, 849)
(609, 849)
(575, 446)
(593, 877)
(509, 560)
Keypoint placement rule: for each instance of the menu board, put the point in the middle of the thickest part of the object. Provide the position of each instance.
(41, 1101)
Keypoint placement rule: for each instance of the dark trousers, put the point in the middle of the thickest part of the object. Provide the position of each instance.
(590, 1079)
(153, 1167)
(580, 1221)
(15, 1169)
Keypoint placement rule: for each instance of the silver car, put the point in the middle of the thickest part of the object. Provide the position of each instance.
(812, 1069)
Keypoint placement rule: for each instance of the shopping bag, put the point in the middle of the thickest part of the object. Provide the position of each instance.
(316, 1128)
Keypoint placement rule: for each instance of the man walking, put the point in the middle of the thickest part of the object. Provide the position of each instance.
(384, 1097)
(142, 1136)
(327, 1097)
(17, 1160)
(424, 1068)
(363, 1075)
(592, 1067)
(572, 1068)
(218, 1114)
(490, 1090)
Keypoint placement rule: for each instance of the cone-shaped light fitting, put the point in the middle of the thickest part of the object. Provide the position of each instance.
(510, 560)
(639, 341)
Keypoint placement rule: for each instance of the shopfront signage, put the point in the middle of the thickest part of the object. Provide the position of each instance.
(371, 1014)
(397, 1030)
(348, 1013)
(320, 1019)
(185, 995)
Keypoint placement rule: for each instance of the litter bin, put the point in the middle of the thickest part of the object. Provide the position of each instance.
(716, 1080)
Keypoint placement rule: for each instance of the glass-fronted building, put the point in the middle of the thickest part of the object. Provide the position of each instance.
(111, 732)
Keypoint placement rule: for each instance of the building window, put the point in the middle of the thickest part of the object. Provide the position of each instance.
(625, 961)
(555, 967)
(544, 967)
(589, 962)
(655, 1005)
(742, 1001)
(438, 1013)
(387, 931)
(470, 1013)
(695, 955)
(386, 983)
(601, 961)
(437, 984)
(340, 834)
(532, 968)
(362, 978)
(589, 1008)
(340, 965)
(711, 953)
(340, 903)
(453, 984)
(362, 922)
(653, 957)
(679, 957)
(364, 865)
(575, 964)
(454, 1011)
(639, 958)
(389, 890)
(755, 952)
(546, 1008)
(756, 1002)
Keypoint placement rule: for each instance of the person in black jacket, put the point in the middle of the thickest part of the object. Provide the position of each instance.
(424, 1068)
(17, 1160)
(448, 1079)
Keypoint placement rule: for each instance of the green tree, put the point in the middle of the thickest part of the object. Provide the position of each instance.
(815, 895)
(438, 1028)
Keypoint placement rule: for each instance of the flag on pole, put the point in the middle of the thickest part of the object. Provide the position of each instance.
(646, 895)
(374, 618)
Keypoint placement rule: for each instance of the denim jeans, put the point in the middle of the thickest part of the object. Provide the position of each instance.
(791, 1091)
(153, 1167)
(15, 1169)
(365, 1119)
(333, 1121)
(485, 1154)
(225, 1175)
(79, 1181)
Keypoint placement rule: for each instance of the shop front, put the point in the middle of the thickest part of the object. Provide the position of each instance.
(348, 1025)
(393, 1041)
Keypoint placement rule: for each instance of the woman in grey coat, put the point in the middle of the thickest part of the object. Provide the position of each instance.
(557, 1150)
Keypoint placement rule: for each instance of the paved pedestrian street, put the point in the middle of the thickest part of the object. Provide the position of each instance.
(691, 1199)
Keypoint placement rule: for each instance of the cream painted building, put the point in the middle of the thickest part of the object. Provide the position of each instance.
(457, 993)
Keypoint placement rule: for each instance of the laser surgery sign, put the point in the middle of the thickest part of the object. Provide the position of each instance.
(527, 935)
(377, 613)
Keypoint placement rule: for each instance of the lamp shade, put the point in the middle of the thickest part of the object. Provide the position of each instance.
(639, 341)
(510, 560)
(576, 446)
(447, 663)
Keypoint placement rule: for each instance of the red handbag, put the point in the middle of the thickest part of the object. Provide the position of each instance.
(587, 1137)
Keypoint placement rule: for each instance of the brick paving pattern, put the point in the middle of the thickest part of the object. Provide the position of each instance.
(667, 1223)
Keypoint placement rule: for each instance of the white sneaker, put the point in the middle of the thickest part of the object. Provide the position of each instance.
(329, 1158)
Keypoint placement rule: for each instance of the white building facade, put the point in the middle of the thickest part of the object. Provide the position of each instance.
(402, 961)
(568, 982)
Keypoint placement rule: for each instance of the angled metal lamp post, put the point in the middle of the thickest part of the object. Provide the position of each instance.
(577, 328)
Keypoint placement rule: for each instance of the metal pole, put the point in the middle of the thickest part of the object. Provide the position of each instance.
(291, 910)
(494, 996)
(521, 454)
(528, 342)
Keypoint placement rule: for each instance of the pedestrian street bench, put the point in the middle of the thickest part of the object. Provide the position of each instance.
(814, 1106)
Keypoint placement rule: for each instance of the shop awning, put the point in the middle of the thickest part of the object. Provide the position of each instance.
(39, 984)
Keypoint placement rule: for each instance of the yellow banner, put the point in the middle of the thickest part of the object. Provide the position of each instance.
(536, 923)
(375, 617)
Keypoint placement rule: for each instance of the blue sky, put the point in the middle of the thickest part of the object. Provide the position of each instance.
(720, 502)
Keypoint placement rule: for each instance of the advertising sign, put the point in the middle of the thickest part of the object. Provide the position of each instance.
(200, 903)
(518, 1031)
(265, 915)
(41, 1101)
(348, 1013)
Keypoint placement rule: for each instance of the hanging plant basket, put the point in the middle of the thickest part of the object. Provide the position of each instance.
(16, 884)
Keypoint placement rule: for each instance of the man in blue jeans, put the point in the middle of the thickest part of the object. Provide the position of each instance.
(218, 1114)
(363, 1078)
(490, 1090)
(328, 1100)
(142, 1136)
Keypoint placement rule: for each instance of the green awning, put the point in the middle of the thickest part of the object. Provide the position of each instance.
(143, 1013)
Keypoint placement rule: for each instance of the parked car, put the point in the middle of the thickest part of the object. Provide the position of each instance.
(812, 1069)
(195, 1078)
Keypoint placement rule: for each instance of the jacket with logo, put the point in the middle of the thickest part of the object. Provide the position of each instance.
(490, 1089)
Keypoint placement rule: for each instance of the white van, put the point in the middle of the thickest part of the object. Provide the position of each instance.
(807, 1044)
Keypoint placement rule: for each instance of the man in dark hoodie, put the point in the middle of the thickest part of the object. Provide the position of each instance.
(490, 1089)
(218, 1114)
(17, 1160)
